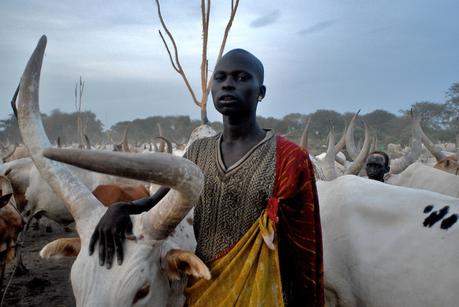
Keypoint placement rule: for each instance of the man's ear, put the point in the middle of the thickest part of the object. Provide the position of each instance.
(262, 91)
(387, 169)
(179, 262)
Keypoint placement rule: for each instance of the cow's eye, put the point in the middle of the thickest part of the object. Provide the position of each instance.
(141, 293)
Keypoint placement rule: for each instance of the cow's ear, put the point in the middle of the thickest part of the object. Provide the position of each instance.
(4, 199)
(179, 262)
(65, 247)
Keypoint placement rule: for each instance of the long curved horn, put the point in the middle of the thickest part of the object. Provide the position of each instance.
(168, 143)
(161, 143)
(124, 142)
(349, 138)
(328, 165)
(359, 161)
(13, 101)
(434, 150)
(399, 165)
(8, 155)
(373, 144)
(304, 135)
(183, 176)
(83, 206)
(342, 141)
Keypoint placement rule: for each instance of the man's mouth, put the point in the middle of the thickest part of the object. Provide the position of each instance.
(227, 99)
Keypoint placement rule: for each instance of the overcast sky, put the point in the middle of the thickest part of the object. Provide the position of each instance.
(322, 54)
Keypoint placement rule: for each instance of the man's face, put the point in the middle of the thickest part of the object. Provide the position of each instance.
(375, 167)
(236, 85)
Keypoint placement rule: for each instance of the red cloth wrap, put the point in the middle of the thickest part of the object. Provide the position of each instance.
(295, 206)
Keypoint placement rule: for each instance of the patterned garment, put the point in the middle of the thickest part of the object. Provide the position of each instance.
(232, 199)
(288, 192)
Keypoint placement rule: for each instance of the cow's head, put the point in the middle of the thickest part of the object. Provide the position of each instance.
(150, 261)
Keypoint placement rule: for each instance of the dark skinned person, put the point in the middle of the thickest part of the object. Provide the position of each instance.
(377, 165)
(257, 222)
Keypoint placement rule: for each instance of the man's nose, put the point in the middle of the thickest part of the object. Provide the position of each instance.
(228, 84)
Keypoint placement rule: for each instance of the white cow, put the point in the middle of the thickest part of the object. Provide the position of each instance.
(157, 256)
(421, 176)
(388, 246)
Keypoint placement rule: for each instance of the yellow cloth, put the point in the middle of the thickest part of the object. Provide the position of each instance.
(248, 275)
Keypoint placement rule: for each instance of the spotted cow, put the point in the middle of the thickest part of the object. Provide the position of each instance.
(387, 245)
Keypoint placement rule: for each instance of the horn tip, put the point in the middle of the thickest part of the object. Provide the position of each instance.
(43, 39)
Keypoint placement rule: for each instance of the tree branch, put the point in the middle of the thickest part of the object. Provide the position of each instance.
(168, 52)
(234, 6)
(177, 66)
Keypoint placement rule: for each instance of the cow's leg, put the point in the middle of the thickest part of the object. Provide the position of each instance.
(19, 264)
(2, 269)
(20, 267)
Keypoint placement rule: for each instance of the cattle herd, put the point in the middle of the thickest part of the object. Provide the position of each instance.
(385, 244)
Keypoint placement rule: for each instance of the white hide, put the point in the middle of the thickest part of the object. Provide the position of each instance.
(340, 169)
(420, 176)
(377, 253)
(18, 173)
(141, 266)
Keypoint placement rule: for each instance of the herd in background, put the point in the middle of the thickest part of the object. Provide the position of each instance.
(360, 218)
(423, 165)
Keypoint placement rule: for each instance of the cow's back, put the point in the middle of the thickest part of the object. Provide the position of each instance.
(384, 245)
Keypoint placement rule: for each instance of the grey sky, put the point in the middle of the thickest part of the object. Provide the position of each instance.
(323, 54)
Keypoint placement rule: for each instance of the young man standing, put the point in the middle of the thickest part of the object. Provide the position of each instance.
(257, 222)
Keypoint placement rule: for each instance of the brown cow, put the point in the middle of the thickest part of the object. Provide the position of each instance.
(107, 194)
(11, 224)
(448, 164)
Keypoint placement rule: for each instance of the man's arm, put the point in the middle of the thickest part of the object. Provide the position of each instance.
(115, 226)
(144, 204)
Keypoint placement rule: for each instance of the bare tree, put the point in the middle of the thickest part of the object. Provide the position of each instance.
(206, 82)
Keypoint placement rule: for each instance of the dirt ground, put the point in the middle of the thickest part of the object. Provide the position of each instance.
(47, 283)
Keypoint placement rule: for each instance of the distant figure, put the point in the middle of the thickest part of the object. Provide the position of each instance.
(377, 165)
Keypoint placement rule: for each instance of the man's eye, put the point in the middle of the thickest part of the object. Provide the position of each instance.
(243, 77)
(218, 78)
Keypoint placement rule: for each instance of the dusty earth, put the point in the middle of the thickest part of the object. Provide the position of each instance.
(47, 283)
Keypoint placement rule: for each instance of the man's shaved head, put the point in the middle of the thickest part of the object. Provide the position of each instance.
(245, 57)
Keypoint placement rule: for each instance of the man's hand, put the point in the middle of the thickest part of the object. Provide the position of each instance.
(112, 229)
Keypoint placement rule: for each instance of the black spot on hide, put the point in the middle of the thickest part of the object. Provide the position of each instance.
(428, 209)
(435, 216)
(448, 222)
